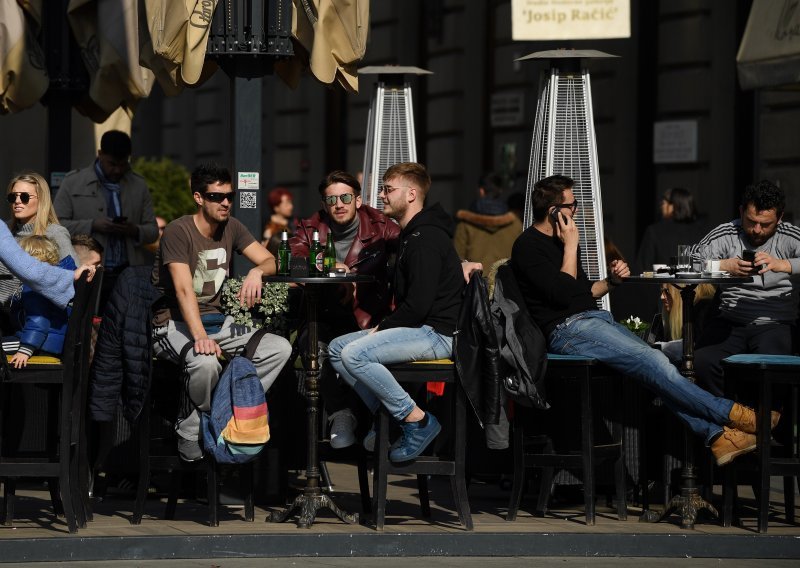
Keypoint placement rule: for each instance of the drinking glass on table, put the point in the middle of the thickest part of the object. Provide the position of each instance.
(684, 259)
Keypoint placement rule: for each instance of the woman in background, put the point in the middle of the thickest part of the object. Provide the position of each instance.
(282, 205)
(672, 316)
(679, 225)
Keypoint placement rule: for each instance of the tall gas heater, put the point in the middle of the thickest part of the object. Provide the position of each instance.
(390, 127)
(564, 144)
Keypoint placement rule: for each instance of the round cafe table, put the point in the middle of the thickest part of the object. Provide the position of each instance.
(313, 499)
(689, 501)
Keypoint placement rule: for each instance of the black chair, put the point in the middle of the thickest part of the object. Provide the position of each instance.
(158, 448)
(451, 465)
(582, 375)
(762, 373)
(65, 380)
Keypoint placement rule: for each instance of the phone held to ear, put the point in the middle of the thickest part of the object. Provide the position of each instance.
(555, 214)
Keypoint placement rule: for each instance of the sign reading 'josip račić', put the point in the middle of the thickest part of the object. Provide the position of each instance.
(570, 19)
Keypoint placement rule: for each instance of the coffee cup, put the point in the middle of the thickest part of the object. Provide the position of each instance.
(712, 266)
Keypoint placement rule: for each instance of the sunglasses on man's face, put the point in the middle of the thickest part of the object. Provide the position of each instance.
(218, 196)
(330, 200)
(23, 197)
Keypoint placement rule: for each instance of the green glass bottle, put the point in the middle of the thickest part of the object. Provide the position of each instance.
(315, 256)
(329, 262)
(284, 254)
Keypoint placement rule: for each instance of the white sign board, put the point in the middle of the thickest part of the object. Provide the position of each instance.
(507, 109)
(570, 19)
(247, 180)
(675, 142)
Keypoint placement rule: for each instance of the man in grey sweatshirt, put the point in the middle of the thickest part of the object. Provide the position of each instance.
(759, 316)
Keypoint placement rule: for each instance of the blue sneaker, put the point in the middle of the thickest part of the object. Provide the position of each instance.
(415, 439)
(372, 435)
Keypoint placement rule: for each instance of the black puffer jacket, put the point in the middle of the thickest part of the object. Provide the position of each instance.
(122, 357)
(476, 352)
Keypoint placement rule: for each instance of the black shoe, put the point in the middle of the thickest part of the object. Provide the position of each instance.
(189, 450)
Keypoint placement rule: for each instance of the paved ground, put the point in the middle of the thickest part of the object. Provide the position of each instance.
(432, 562)
(37, 535)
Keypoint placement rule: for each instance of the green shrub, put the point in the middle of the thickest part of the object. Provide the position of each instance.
(169, 186)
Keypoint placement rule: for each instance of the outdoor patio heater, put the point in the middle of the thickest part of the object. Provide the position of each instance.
(390, 127)
(564, 144)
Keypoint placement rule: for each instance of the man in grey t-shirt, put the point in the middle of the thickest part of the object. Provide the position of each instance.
(192, 264)
(757, 317)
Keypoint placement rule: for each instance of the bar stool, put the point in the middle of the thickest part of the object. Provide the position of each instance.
(583, 373)
(158, 451)
(452, 466)
(764, 372)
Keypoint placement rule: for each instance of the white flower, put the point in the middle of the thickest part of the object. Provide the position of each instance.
(270, 312)
(634, 323)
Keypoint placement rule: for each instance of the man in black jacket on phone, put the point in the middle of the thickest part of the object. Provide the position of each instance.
(428, 286)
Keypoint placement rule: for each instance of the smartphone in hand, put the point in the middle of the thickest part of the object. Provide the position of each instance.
(749, 256)
(555, 213)
(119, 219)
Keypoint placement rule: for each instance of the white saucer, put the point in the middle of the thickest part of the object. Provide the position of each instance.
(720, 274)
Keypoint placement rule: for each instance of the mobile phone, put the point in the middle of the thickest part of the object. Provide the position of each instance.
(749, 256)
(555, 213)
(119, 219)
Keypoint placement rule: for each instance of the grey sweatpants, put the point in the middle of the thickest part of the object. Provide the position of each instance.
(203, 370)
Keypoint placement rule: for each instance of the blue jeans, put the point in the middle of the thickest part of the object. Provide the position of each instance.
(594, 333)
(359, 358)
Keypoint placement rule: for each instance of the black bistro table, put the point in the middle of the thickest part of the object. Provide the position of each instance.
(688, 502)
(313, 499)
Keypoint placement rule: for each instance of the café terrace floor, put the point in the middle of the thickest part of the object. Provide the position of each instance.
(37, 536)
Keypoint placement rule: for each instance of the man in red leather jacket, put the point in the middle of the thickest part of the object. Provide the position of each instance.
(364, 239)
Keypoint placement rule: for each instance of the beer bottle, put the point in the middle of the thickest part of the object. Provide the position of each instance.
(315, 256)
(330, 255)
(284, 254)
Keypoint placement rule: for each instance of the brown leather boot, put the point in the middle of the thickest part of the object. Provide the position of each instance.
(730, 444)
(744, 418)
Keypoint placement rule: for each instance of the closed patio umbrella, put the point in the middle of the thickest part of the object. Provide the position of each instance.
(333, 35)
(769, 55)
(175, 48)
(107, 32)
(23, 76)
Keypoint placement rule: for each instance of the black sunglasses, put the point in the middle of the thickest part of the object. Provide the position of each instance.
(573, 206)
(23, 197)
(330, 200)
(218, 196)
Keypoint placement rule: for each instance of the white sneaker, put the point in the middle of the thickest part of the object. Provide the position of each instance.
(343, 426)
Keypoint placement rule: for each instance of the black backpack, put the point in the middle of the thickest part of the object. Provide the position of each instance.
(523, 347)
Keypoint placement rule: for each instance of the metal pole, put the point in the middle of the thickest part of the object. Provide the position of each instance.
(246, 155)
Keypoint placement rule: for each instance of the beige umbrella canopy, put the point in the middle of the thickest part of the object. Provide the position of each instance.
(108, 34)
(23, 76)
(175, 45)
(332, 35)
(769, 55)
(126, 44)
